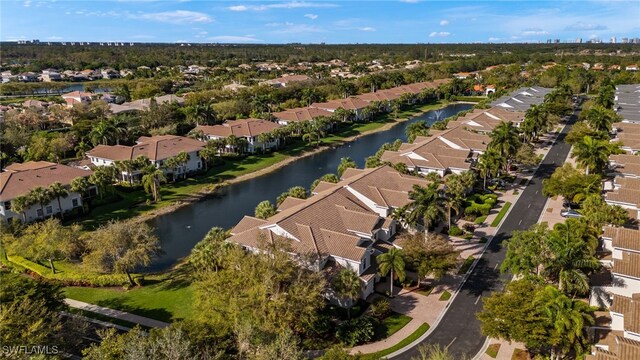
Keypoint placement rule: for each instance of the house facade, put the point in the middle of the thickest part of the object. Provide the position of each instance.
(19, 179)
(249, 129)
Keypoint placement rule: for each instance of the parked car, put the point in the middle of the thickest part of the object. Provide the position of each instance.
(570, 205)
(571, 214)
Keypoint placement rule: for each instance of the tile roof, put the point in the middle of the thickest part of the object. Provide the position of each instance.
(351, 103)
(624, 195)
(623, 238)
(155, 148)
(290, 201)
(24, 178)
(632, 317)
(301, 114)
(287, 79)
(629, 265)
(242, 127)
(624, 159)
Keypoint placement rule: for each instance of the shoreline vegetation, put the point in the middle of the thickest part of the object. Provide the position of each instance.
(176, 195)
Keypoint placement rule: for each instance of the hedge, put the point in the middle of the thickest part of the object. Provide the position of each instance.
(501, 214)
(71, 277)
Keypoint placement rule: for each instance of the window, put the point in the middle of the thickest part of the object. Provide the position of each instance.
(74, 202)
(39, 213)
(49, 209)
(199, 165)
(7, 205)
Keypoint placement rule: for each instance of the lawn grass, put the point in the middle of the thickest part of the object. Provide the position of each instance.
(519, 354)
(471, 98)
(390, 325)
(466, 265)
(501, 214)
(492, 350)
(445, 296)
(425, 291)
(169, 297)
(406, 341)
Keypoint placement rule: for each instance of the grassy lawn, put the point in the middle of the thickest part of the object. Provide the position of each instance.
(408, 340)
(445, 296)
(168, 297)
(471, 98)
(519, 354)
(424, 291)
(390, 325)
(492, 350)
(501, 214)
(466, 265)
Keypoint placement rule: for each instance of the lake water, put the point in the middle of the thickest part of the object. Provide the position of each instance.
(180, 230)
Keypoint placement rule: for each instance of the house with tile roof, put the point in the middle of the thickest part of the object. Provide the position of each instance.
(19, 179)
(628, 135)
(289, 116)
(156, 148)
(351, 103)
(345, 223)
(250, 129)
(77, 97)
(285, 80)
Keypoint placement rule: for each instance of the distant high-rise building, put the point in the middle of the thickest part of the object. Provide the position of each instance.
(625, 40)
(556, 41)
(578, 40)
(613, 39)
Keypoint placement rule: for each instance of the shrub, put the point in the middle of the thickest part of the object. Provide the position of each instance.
(480, 220)
(469, 227)
(356, 331)
(381, 308)
(445, 296)
(483, 240)
(455, 231)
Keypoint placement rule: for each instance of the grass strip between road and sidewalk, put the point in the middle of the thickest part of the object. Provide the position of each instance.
(406, 341)
(501, 214)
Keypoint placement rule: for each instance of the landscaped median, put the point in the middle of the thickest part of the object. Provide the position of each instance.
(501, 214)
(406, 341)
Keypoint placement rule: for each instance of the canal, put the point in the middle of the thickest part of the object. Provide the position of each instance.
(180, 230)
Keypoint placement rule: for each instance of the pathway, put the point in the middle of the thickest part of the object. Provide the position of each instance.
(116, 314)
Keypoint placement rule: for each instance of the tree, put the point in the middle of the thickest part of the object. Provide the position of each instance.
(81, 186)
(331, 178)
(600, 118)
(151, 181)
(490, 162)
(348, 285)
(102, 177)
(526, 251)
(265, 210)
(21, 204)
(571, 184)
(597, 213)
(434, 352)
(57, 190)
(435, 257)
(415, 129)
(208, 254)
(392, 262)
(345, 163)
(454, 192)
(121, 247)
(504, 139)
(526, 156)
(426, 207)
(40, 196)
(592, 154)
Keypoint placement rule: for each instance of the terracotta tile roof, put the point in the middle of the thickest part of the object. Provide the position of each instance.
(323, 186)
(623, 238)
(287, 79)
(290, 201)
(628, 349)
(628, 266)
(351, 103)
(155, 148)
(605, 355)
(24, 178)
(627, 182)
(632, 317)
(350, 172)
(620, 304)
(631, 141)
(301, 114)
(627, 128)
(624, 195)
(238, 128)
(29, 165)
(624, 159)
(381, 95)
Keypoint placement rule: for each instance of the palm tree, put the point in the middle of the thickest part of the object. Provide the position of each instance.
(21, 204)
(600, 118)
(591, 154)
(392, 262)
(504, 139)
(57, 190)
(489, 164)
(81, 186)
(209, 253)
(569, 318)
(455, 190)
(40, 196)
(426, 207)
(348, 285)
(415, 129)
(151, 181)
(103, 133)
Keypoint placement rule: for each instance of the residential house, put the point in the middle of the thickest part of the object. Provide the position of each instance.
(77, 97)
(27, 77)
(347, 224)
(299, 115)
(234, 87)
(628, 135)
(143, 104)
(625, 165)
(485, 120)
(627, 102)
(109, 73)
(157, 149)
(632, 67)
(250, 129)
(351, 103)
(49, 75)
(626, 193)
(19, 179)
(285, 80)
(522, 99)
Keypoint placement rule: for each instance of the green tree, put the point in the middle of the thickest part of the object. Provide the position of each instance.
(600, 118)
(151, 181)
(527, 251)
(435, 257)
(345, 163)
(392, 262)
(489, 164)
(415, 129)
(20, 205)
(121, 247)
(208, 254)
(504, 139)
(81, 186)
(426, 207)
(265, 210)
(57, 191)
(40, 196)
(348, 285)
(571, 184)
(102, 177)
(597, 213)
(330, 177)
(592, 154)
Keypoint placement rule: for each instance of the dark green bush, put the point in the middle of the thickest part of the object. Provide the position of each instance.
(455, 231)
(356, 331)
(381, 308)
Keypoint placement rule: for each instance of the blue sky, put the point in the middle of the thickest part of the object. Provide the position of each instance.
(263, 22)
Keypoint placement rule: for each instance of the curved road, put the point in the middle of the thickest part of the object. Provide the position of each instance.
(459, 329)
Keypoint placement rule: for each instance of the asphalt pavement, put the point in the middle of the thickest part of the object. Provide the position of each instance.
(459, 329)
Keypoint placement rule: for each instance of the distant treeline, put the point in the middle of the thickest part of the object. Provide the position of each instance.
(35, 57)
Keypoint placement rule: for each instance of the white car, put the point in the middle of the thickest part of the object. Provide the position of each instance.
(571, 214)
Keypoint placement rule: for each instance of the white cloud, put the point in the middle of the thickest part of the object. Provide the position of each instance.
(367, 28)
(287, 5)
(54, 38)
(175, 17)
(311, 16)
(534, 31)
(444, 22)
(234, 39)
(439, 34)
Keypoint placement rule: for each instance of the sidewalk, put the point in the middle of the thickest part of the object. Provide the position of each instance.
(117, 314)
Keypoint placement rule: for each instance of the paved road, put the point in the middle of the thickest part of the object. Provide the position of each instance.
(459, 329)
